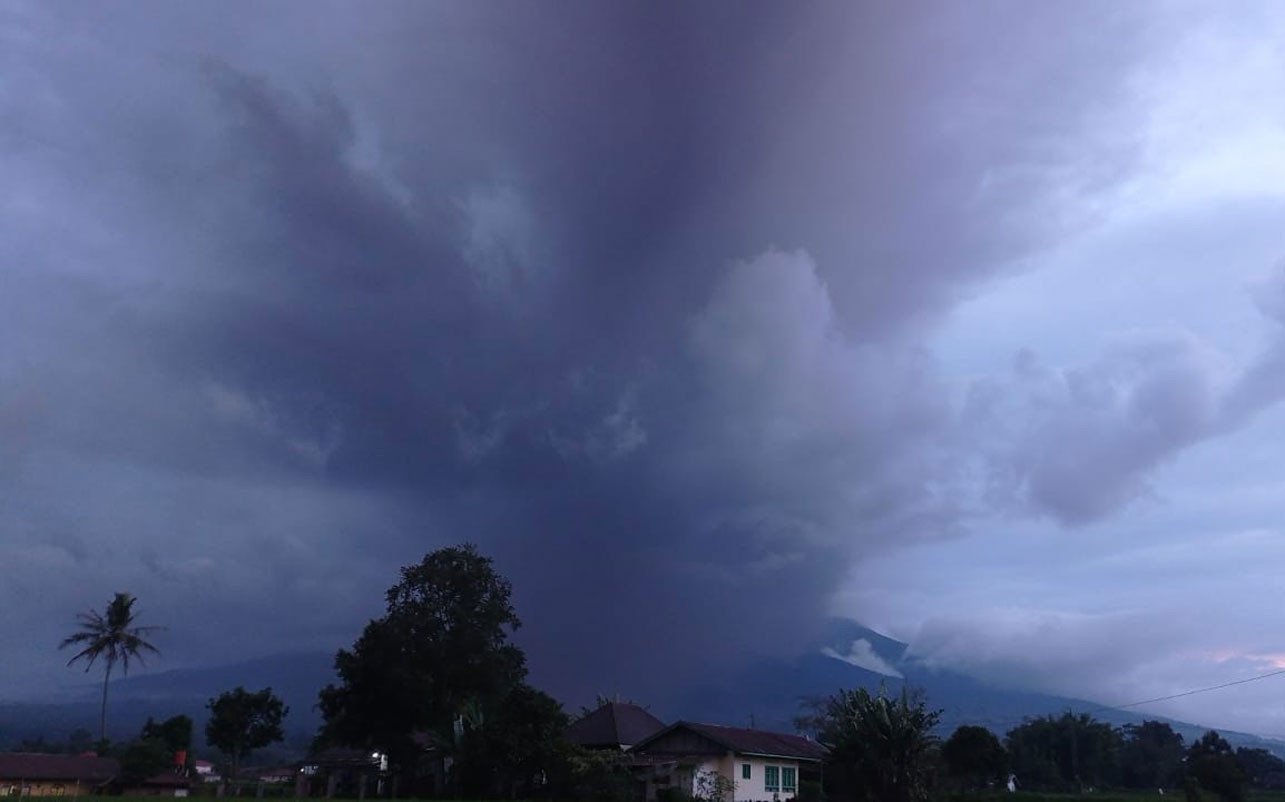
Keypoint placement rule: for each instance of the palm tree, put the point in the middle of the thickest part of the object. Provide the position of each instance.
(113, 637)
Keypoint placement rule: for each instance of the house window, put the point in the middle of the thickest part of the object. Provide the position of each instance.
(787, 778)
(745, 771)
(771, 778)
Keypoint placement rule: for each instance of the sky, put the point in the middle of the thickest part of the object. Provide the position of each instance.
(708, 322)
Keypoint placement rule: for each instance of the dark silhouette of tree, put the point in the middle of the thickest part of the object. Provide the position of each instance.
(516, 750)
(1072, 752)
(241, 722)
(1262, 768)
(113, 636)
(974, 757)
(439, 655)
(154, 750)
(175, 732)
(880, 747)
(1151, 756)
(1212, 764)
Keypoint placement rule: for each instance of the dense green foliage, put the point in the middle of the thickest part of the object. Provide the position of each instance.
(1073, 752)
(1151, 756)
(1212, 764)
(1262, 768)
(974, 758)
(439, 666)
(512, 752)
(881, 747)
(441, 646)
(242, 721)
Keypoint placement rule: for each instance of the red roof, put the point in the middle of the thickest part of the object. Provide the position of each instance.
(31, 766)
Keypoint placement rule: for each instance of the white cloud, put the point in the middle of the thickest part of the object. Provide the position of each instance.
(863, 655)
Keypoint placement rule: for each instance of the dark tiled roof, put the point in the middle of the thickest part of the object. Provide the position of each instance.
(167, 779)
(31, 766)
(614, 724)
(750, 742)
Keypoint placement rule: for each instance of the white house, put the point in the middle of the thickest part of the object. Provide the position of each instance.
(750, 765)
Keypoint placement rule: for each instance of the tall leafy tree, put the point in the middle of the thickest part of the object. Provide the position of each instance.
(1151, 756)
(242, 721)
(1262, 768)
(1213, 765)
(1071, 752)
(440, 653)
(175, 732)
(114, 636)
(974, 757)
(517, 750)
(881, 747)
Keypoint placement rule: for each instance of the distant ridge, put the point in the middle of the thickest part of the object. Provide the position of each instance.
(295, 677)
(771, 692)
(766, 694)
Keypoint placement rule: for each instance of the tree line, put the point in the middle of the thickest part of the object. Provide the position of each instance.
(240, 721)
(883, 749)
(437, 675)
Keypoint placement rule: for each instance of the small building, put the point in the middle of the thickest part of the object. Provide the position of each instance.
(203, 771)
(167, 783)
(745, 765)
(614, 725)
(31, 774)
(340, 771)
(270, 775)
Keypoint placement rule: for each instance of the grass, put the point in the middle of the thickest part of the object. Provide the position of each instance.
(1109, 796)
(1174, 795)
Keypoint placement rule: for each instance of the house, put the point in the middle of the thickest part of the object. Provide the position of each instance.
(744, 765)
(30, 774)
(614, 725)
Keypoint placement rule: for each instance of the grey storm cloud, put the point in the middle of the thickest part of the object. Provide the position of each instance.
(1079, 442)
(633, 296)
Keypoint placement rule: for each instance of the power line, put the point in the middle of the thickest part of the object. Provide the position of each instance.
(1277, 672)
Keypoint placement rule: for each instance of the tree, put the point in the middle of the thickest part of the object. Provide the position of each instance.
(1151, 756)
(517, 749)
(974, 757)
(154, 750)
(141, 759)
(175, 732)
(114, 637)
(241, 722)
(1212, 764)
(1262, 768)
(1072, 752)
(880, 746)
(441, 648)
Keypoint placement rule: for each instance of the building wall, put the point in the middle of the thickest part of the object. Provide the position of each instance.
(17, 787)
(752, 790)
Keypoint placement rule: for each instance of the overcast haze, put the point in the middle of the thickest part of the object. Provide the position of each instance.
(962, 319)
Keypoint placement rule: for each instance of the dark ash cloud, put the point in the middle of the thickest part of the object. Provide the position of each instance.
(633, 297)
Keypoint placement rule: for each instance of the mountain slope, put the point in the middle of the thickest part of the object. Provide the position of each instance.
(296, 678)
(772, 693)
